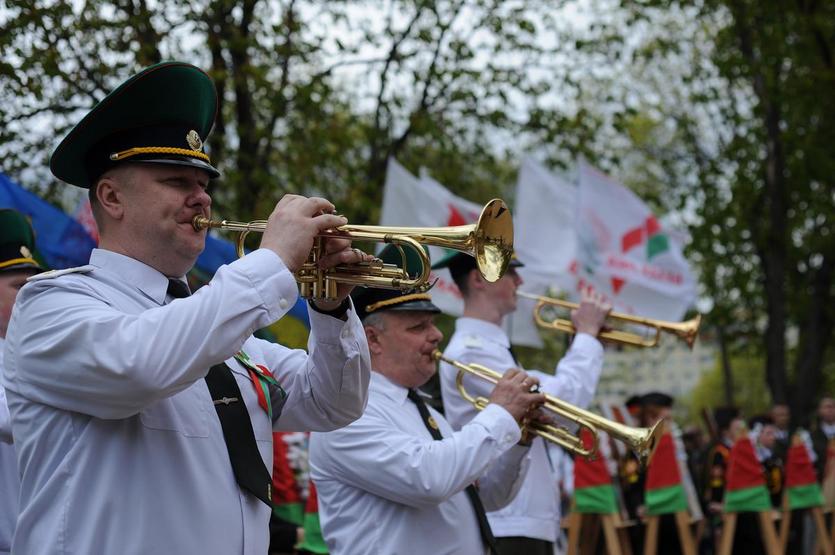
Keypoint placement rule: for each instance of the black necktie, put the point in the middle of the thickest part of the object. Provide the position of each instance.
(472, 493)
(178, 289)
(247, 465)
(510, 350)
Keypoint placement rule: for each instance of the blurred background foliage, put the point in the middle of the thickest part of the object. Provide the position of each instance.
(718, 113)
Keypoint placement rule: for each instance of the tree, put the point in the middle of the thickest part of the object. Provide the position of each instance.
(314, 96)
(726, 97)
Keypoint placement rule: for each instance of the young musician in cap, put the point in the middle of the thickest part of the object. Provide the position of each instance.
(530, 523)
(17, 243)
(399, 479)
(823, 431)
(728, 426)
(143, 415)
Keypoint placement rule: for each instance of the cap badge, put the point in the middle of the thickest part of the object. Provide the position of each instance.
(25, 252)
(193, 140)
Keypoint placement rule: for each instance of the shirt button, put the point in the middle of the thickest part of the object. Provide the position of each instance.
(282, 303)
(508, 438)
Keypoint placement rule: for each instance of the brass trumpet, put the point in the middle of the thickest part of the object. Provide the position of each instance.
(642, 441)
(687, 331)
(490, 241)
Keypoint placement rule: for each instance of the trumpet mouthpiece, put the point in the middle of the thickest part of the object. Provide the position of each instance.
(200, 223)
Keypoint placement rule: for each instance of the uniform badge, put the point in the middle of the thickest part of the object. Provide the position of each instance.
(25, 252)
(193, 140)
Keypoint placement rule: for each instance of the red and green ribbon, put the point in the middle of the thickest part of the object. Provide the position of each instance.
(262, 379)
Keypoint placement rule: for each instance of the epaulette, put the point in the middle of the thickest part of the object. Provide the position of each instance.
(58, 273)
(472, 341)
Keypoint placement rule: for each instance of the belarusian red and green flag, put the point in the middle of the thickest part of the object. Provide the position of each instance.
(664, 490)
(287, 501)
(745, 480)
(593, 490)
(313, 540)
(802, 486)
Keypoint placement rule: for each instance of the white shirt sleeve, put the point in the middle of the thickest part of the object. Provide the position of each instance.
(577, 373)
(79, 352)
(500, 484)
(329, 388)
(375, 456)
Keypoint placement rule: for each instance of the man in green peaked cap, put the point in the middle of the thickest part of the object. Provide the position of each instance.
(17, 243)
(399, 479)
(144, 414)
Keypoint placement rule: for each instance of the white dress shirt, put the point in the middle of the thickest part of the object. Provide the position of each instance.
(120, 447)
(534, 512)
(386, 487)
(9, 479)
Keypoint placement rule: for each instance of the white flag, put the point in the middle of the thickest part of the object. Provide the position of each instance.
(545, 241)
(412, 201)
(624, 253)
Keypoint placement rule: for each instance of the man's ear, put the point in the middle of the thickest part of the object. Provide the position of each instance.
(475, 281)
(372, 336)
(111, 197)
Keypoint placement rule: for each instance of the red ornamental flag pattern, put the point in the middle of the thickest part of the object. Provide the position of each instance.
(313, 540)
(745, 480)
(802, 487)
(287, 501)
(593, 490)
(624, 253)
(664, 491)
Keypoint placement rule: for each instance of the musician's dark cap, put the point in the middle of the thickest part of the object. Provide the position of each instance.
(162, 115)
(460, 263)
(373, 300)
(723, 416)
(656, 399)
(17, 243)
(760, 419)
(633, 401)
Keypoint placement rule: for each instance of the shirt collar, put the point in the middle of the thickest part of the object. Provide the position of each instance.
(828, 429)
(484, 329)
(148, 280)
(384, 386)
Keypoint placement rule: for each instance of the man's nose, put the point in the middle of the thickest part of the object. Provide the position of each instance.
(199, 197)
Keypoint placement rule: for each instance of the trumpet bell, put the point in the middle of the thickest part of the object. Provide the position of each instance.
(489, 240)
(643, 441)
(493, 243)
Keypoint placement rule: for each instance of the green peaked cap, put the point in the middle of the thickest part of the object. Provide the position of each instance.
(165, 112)
(17, 242)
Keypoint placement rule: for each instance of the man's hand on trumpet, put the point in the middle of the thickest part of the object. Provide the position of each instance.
(590, 316)
(293, 226)
(514, 392)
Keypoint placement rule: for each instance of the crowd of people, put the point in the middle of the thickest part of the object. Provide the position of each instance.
(140, 416)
